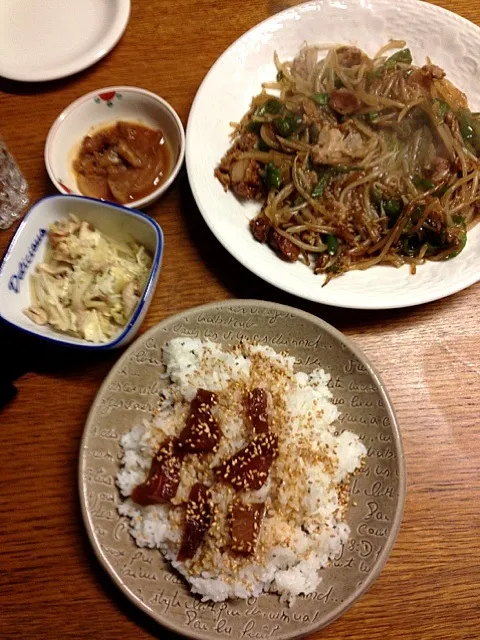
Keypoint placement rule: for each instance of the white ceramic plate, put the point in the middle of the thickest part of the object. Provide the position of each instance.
(48, 39)
(225, 95)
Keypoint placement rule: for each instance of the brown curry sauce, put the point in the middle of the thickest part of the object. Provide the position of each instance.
(122, 163)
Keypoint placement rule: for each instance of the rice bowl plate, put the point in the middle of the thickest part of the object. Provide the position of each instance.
(133, 417)
(303, 497)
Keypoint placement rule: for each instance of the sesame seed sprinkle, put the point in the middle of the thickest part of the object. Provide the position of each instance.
(267, 471)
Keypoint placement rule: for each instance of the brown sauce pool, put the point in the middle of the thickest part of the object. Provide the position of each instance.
(123, 162)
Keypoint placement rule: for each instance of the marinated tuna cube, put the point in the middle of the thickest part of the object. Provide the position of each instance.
(198, 518)
(245, 522)
(256, 406)
(163, 478)
(201, 433)
(204, 398)
(248, 468)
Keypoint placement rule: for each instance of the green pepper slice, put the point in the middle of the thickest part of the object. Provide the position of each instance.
(392, 207)
(441, 108)
(254, 126)
(288, 125)
(404, 56)
(423, 183)
(320, 98)
(462, 236)
(273, 176)
(332, 244)
(272, 106)
(469, 128)
(319, 188)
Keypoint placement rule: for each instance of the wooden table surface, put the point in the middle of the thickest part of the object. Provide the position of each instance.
(51, 586)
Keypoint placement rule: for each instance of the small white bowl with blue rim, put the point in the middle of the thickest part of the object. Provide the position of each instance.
(27, 250)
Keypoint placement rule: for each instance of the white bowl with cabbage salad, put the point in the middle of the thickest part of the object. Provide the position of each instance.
(81, 272)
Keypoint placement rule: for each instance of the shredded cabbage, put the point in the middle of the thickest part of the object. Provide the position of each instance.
(89, 284)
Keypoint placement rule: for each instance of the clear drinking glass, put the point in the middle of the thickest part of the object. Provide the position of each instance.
(13, 189)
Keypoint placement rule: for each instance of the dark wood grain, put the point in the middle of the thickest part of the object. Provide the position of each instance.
(51, 586)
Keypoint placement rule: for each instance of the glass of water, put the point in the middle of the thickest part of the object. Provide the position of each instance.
(13, 189)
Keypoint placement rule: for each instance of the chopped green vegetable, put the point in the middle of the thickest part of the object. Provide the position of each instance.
(327, 176)
(462, 236)
(442, 191)
(372, 116)
(466, 128)
(376, 73)
(407, 73)
(469, 128)
(441, 108)
(320, 98)
(319, 188)
(423, 183)
(414, 218)
(279, 75)
(271, 106)
(459, 221)
(283, 127)
(288, 125)
(417, 214)
(393, 207)
(332, 244)
(254, 126)
(376, 196)
(410, 246)
(273, 176)
(404, 56)
(432, 249)
(262, 145)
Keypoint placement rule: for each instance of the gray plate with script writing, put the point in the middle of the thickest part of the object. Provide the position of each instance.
(131, 392)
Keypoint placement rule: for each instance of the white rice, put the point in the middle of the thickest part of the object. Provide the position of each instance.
(305, 496)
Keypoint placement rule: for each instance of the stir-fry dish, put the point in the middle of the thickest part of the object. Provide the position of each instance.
(358, 161)
(88, 284)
